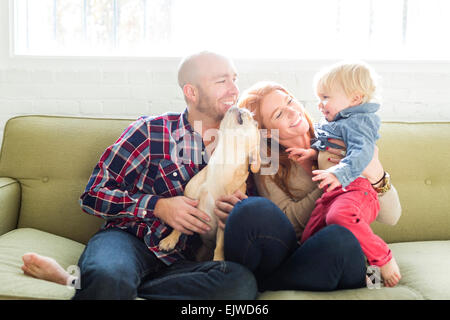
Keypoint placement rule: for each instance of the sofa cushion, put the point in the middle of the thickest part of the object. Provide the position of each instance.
(408, 151)
(9, 204)
(53, 158)
(424, 267)
(14, 283)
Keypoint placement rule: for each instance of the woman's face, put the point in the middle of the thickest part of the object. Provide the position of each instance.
(280, 111)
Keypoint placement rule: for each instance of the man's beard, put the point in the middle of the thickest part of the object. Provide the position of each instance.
(206, 107)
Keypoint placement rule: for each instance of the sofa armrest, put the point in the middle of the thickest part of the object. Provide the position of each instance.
(9, 204)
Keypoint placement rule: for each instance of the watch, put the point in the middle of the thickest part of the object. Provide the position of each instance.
(385, 184)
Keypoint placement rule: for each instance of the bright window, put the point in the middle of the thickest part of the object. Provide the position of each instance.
(377, 29)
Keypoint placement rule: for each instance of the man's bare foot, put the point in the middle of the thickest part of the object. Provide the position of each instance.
(390, 273)
(44, 268)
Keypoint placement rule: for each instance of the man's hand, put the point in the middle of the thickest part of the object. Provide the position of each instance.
(181, 214)
(328, 179)
(301, 154)
(224, 205)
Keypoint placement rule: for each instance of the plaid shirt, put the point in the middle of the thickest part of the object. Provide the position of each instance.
(154, 157)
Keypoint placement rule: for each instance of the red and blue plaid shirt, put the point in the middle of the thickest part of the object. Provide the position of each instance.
(154, 157)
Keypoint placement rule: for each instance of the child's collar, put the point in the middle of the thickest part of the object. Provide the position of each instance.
(368, 107)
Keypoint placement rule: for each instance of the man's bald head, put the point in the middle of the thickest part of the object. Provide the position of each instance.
(208, 82)
(192, 68)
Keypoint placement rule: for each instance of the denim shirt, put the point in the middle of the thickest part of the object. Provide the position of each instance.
(358, 127)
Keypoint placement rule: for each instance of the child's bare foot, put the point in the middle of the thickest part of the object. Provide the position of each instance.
(44, 268)
(390, 273)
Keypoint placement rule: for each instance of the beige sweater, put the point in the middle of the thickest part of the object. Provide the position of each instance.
(301, 185)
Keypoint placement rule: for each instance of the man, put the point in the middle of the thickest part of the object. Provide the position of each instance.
(137, 187)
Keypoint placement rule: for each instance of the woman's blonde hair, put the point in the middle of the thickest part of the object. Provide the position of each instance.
(352, 77)
(251, 99)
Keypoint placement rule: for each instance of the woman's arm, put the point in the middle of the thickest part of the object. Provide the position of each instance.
(297, 211)
(390, 208)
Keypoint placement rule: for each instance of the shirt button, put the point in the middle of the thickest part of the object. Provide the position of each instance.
(45, 179)
(175, 174)
(428, 181)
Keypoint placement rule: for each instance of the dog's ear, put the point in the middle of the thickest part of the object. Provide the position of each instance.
(255, 165)
(255, 156)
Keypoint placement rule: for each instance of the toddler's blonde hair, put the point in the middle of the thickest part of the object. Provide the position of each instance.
(352, 77)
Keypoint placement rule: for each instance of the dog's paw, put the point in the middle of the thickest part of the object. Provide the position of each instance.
(167, 244)
(218, 257)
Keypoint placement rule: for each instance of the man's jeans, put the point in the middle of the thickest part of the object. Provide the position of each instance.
(259, 236)
(118, 265)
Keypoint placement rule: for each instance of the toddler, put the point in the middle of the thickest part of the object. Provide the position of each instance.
(346, 92)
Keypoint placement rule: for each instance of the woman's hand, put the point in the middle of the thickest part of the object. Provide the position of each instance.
(374, 170)
(224, 205)
(340, 153)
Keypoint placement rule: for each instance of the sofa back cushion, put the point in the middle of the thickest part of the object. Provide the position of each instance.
(53, 158)
(417, 156)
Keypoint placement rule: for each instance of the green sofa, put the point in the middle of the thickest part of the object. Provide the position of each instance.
(46, 161)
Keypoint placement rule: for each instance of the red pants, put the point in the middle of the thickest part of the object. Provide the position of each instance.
(354, 209)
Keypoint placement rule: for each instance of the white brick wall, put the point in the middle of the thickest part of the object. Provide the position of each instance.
(120, 87)
(97, 87)
(128, 88)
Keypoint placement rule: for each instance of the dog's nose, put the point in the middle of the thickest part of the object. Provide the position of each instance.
(240, 121)
(238, 112)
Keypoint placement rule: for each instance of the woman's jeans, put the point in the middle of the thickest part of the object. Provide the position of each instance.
(118, 265)
(259, 236)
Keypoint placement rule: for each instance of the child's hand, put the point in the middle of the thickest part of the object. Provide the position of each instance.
(301, 154)
(328, 179)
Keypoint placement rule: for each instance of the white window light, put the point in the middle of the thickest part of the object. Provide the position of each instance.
(378, 29)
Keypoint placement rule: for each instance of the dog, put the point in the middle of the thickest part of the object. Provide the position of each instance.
(238, 147)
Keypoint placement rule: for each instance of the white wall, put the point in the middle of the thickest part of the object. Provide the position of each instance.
(128, 88)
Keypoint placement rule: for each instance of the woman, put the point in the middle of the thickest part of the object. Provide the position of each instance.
(262, 233)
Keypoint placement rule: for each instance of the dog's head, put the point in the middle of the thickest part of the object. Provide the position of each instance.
(240, 123)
